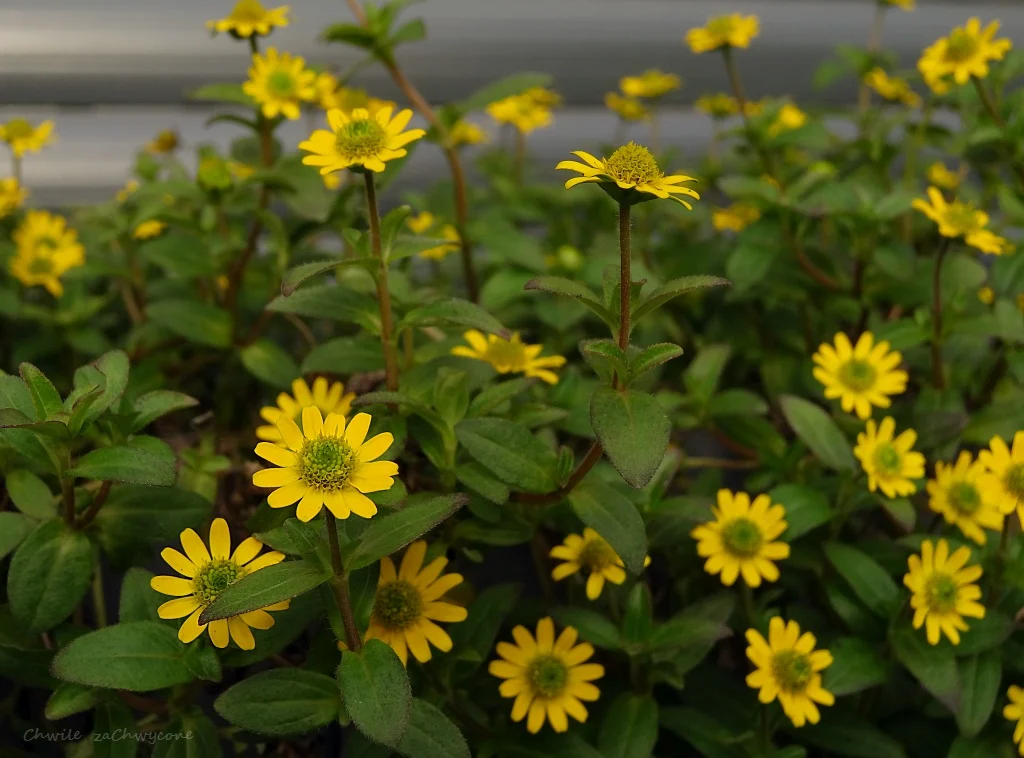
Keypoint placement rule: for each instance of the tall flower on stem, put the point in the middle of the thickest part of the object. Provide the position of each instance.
(889, 460)
(943, 590)
(962, 55)
(861, 375)
(280, 83)
(1003, 482)
(249, 18)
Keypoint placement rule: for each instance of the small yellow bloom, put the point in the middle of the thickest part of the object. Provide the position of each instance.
(23, 138)
(333, 181)
(789, 117)
(627, 108)
(1003, 482)
(942, 177)
(149, 229)
(859, 376)
(965, 53)
(408, 602)
(466, 133)
(890, 463)
(12, 196)
(241, 170)
(510, 356)
(631, 168)
(166, 141)
(280, 83)
(1014, 711)
(360, 138)
(326, 463)
(420, 223)
(739, 542)
(328, 397)
(718, 105)
(328, 92)
(907, 5)
(522, 112)
(548, 677)
(440, 252)
(543, 97)
(892, 87)
(957, 219)
(956, 493)
(943, 590)
(592, 553)
(788, 668)
(128, 190)
(651, 84)
(45, 250)
(987, 295)
(207, 573)
(735, 218)
(249, 17)
(735, 30)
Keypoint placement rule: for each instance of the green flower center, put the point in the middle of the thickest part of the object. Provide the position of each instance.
(1014, 480)
(964, 498)
(398, 604)
(633, 164)
(942, 593)
(960, 46)
(963, 217)
(506, 353)
(597, 555)
(742, 537)
(326, 463)
(214, 578)
(40, 265)
(214, 173)
(248, 10)
(547, 675)
(363, 138)
(792, 670)
(281, 83)
(858, 375)
(721, 27)
(888, 459)
(18, 128)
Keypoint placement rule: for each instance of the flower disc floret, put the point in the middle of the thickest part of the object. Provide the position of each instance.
(360, 140)
(397, 605)
(327, 463)
(215, 577)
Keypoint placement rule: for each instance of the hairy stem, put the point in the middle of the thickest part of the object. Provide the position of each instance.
(625, 279)
(99, 601)
(383, 293)
(94, 506)
(582, 469)
(339, 584)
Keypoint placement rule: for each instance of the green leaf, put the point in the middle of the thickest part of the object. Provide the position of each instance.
(559, 285)
(270, 363)
(710, 738)
(297, 275)
(14, 527)
(818, 431)
(150, 406)
(479, 479)
(454, 312)
(856, 666)
(634, 431)
(934, 667)
(451, 394)
(113, 368)
(431, 734)
(736, 402)
(806, 508)
(377, 692)
(705, 370)
(69, 699)
(985, 633)
(496, 395)
(844, 733)
(980, 676)
(616, 519)
(630, 727)
(45, 398)
(592, 626)
(487, 612)
(126, 463)
(50, 572)
(138, 601)
(869, 581)
(388, 534)
(671, 290)
(267, 586)
(652, 357)
(511, 452)
(637, 621)
(510, 85)
(203, 743)
(281, 702)
(113, 720)
(222, 93)
(331, 302)
(30, 494)
(345, 355)
(134, 517)
(197, 322)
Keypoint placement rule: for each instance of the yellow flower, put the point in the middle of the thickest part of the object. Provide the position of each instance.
(127, 191)
(593, 553)
(328, 92)
(207, 574)
(329, 398)
(543, 97)
(510, 356)
(631, 168)
(280, 83)
(627, 108)
(420, 223)
(907, 5)
(735, 30)
(1003, 482)
(789, 117)
(23, 138)
(148, 229)
(466, 133)
(789, 668)
(651, 84)
(333, 181)
(956, 493)
(440, 252)
(943, 590)
(249, 17)
(942, 177)
(718, 105)
(957, 219)
(12, 195)
(1014, 711)
(890, 463)
(547, 677)
(326, 463)
(987, 295)
(859, 376)
(46, 249)
(735, 218)
(892, 87)
(739, 540)
(408, 603)
(522, 112)
(166, 141)
(965, 53)
(359, 138)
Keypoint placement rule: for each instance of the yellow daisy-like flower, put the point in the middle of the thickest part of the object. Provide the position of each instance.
(942, 177)
(127, 191)
(165, 142)
(280, 83)
(440, 252)
(249, 17)
(633, 169)
(1014, 711)
(860, 376)
(326, 463)
(734, 30)
(907, 5)
(789, 669)
(408, 602)
(207, 573)
(466, 133)
(329, 397)
(12, 196)
(956, 493)
(987, 295)
(329, 93)
(359, 139)
(651, 84)
(522, 112)
(739, 540)
(1003, 482)
(957, 219)
(788, 118)
(718, 105)
(421, 223)
(943, 590)
(892, 87)
(627, 108)
(543, 97)
(46, 249)
(23, 138)
(149, 229)
(548, 677)
(890, 463)
(735, 218)
(966, 52)
(590, 552)
(510, 356)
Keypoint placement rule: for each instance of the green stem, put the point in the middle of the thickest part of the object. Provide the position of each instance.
(67, 491)
(990, 106)
(383, 293)
(94, 507)
(938, 378)
(339, 584)
(99, 603)
(741, 98)
(749, 608)
(625, 280)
